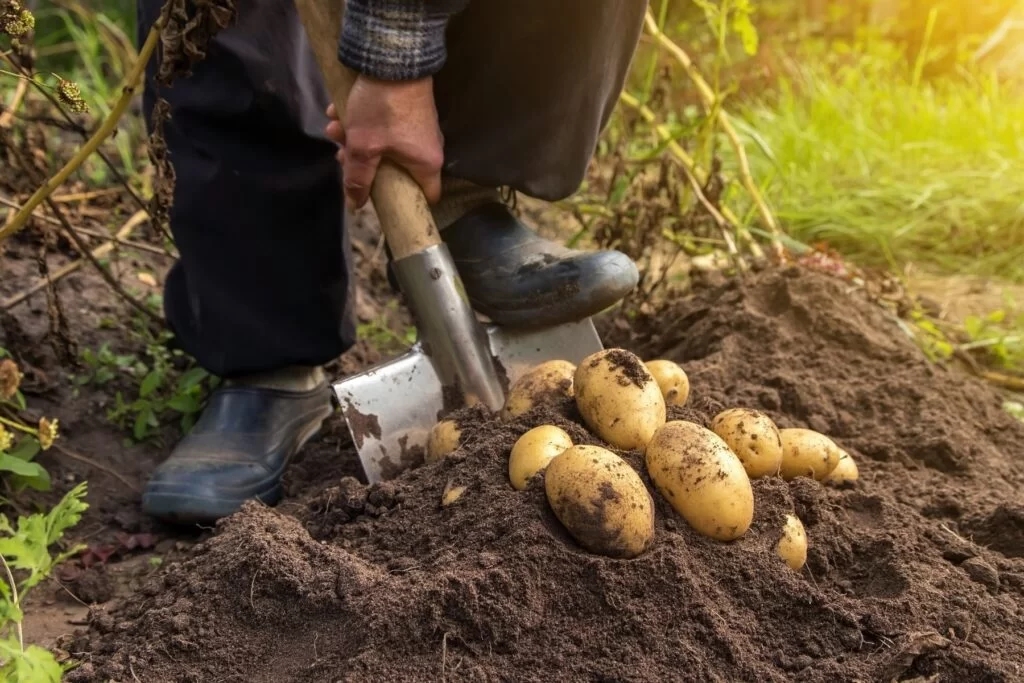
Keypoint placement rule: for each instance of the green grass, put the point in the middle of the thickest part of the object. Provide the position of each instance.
(889, 170)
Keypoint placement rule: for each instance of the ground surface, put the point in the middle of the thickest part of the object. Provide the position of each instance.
(915, 573)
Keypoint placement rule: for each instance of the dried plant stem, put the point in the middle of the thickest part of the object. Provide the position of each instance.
(99, 252)
(726, 223)
(105, 130)
(7, 117)
(27, 75)
(15, 600)
(140, 246)
(710, 102)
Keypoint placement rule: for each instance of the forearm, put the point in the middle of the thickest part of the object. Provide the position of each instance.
(396, 40)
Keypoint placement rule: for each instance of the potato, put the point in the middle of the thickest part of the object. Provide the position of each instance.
(618, 398)
(533, 451)
(753, 437)
(451, 494)
(442, 441)
(792, 547)
(545, 383)
(601, 501)
(704, 481)
(845, 471)
(671, 379)
(807, 453)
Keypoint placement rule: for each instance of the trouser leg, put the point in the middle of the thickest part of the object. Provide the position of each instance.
(526, 91)
(529, 85)
(263, 281)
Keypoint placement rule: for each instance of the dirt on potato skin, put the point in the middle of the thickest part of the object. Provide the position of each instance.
(914, 571)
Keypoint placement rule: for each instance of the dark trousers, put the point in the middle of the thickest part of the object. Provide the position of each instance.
(264, 278)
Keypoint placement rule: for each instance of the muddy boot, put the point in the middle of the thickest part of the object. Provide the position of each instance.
(519, 279)
(239, 448)
(514, 276)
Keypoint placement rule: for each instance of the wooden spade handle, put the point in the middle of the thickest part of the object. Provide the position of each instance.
(404, 213)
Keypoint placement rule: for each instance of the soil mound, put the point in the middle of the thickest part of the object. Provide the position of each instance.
(385, 583)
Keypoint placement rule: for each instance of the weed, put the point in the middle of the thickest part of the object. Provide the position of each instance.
(25, 551)
(21, 440)
(164, 382)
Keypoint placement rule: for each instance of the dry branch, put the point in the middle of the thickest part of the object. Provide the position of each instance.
(138, 218)
(105, 130)
(710, 102)
(139, 246)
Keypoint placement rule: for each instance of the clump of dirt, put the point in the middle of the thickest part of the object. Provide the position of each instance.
(632, 372)
(384, 583)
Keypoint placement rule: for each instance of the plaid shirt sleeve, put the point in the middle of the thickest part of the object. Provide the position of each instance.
(396, 39)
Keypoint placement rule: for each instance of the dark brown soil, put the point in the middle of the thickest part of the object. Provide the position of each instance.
(915, 572)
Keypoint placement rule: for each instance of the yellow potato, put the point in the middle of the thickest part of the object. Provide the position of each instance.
(442, 441)
(618, 398)
(545, 383)
(807, 453)
(704, 481)
(792, 547)
(451, 494)
(601, 501)
(533, 451)
(753, 437)
(671, 379)
(845, 471)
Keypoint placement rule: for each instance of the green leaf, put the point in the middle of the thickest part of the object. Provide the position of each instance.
(974, 326)
(34, 665)
(184, 403)
(192, 378)
(9, 463)
(26, 449)
(141, 426)
(747, 32)
(996, 317)
(150, 383)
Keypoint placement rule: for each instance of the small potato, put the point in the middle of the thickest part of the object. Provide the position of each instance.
(671, 379)
(451, 494)
(845, 471)
(753, 437)
(792, 547)
(619, 399)
(807, 453)
(601, 501)
(442, 441)
(704, 481)
(533, 451)
(545, 383)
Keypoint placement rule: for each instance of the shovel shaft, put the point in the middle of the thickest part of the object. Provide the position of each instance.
(404, 213)
(456, 343)
(452, 337)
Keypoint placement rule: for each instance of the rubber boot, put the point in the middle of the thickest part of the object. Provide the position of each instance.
(519, 279)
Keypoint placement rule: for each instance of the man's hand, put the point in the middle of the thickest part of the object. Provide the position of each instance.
(392, 119)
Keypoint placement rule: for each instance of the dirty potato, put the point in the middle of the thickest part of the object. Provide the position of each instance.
(671, 379)
(807, 453)
(442, 441)
(753, 437)
(792, 547)
(533, 451)
(704, 481)
(845, 471)
(548, 382)
(601, 501)
(619, 399)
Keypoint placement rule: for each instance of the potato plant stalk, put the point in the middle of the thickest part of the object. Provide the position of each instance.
(708, 95)
(92, 144)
